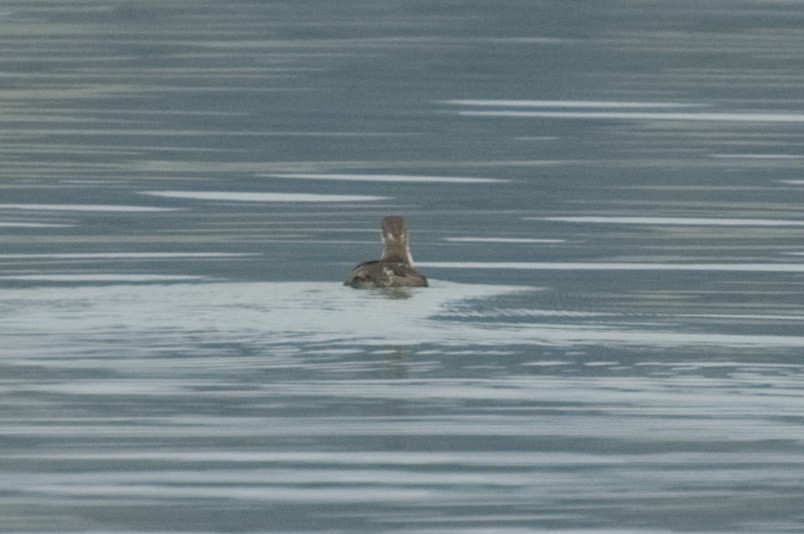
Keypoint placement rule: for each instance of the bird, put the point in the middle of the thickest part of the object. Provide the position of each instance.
(395, 266)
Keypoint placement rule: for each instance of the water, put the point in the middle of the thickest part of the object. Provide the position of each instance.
(606, 198)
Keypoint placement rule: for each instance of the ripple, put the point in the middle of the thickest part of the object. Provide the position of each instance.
(681, 221)
(116, 278)
(640, 115)
(124, 255)
(392, 178)
(278, 314)
(33, 225)
(523, 240)
(619, 266)
(82, 207)
(263, 197)
(569, 104)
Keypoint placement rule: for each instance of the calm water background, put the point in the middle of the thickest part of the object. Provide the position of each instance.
(607, 197)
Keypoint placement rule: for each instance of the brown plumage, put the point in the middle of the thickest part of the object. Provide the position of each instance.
(395, 266)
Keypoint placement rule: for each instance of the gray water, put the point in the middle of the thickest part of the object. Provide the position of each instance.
(606, 197)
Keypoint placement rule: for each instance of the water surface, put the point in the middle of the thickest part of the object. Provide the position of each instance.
(607, 202)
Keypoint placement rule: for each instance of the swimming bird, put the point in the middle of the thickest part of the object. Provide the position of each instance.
(395, 266)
